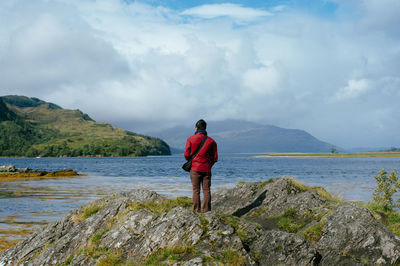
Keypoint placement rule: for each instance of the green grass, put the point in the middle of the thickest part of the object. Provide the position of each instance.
(391, 218)
(291, 222)
(111, 259)
(235, 223)
(87, 211)
(320, 190)
(91, 209)
(169, 256)
(231, 257)
(162, 205)
(314, 232)
(68, 260)
(263, 184)
(227, 257)
(204, 224)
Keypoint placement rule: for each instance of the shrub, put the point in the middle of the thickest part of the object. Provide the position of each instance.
(387, 186)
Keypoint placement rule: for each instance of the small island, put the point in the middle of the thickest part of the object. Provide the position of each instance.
(9, 172)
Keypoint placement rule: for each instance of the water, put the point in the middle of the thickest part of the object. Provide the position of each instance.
(30, 203)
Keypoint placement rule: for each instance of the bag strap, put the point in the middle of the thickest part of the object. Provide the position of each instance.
(198, 148)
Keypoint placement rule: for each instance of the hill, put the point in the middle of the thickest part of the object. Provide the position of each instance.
(248, 137)
(32, 127)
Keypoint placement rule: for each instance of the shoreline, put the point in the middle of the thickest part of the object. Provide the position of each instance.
(330, 155)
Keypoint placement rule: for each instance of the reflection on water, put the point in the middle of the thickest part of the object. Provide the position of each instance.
(27, 204)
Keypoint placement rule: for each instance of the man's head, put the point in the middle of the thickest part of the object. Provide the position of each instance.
(201, 125)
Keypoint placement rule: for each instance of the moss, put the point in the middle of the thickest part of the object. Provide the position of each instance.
(291, 222)
(169, 256)
(162, 205)
(314, 232)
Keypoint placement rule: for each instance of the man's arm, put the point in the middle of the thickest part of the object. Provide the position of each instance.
(187, 150)
(215, 151)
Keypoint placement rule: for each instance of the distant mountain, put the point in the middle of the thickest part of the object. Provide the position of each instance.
(32, 127)
(239, 136)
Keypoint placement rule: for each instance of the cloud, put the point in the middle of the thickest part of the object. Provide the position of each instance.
(50, 50)
(354, 89)
(226, 10)
(128, 62)
(262, 80)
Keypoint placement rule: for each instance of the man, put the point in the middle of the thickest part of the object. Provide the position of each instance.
(200, 173)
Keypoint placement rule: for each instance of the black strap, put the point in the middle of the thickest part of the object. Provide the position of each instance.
(198, 148)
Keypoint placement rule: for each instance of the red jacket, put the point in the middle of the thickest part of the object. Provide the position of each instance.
(206, 157)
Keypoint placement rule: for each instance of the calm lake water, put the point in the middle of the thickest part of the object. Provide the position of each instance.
(29, 203)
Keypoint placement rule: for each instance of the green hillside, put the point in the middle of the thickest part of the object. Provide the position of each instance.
(31, 127)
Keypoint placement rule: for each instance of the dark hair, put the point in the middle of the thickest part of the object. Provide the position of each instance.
(201, 124)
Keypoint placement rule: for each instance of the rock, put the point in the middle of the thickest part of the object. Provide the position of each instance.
(8, 168)
(281, 248)
(24, 170)
(269, 198)
(278, 222)
(353, 233)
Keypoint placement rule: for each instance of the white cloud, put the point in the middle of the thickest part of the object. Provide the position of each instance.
(354, 89)
(262, 80)
(226, 10)
(134, 62)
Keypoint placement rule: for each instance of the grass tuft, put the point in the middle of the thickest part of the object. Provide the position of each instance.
(391, 218)
(68, 260)
(263, 184)
(162, 205)
(88, 211)
(111, 259)
(314, 232)
(169, 256)
(320, 190)
(234, 222)
(291, 222)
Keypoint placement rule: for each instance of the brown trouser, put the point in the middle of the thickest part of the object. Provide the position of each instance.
(203, 179)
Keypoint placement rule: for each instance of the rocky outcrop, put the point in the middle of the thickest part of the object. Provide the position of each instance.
(10, 172)
(277, 222)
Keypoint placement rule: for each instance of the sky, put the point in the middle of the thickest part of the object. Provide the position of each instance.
(330, 67)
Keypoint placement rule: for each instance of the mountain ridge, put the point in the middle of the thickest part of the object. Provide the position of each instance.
(238, 136)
